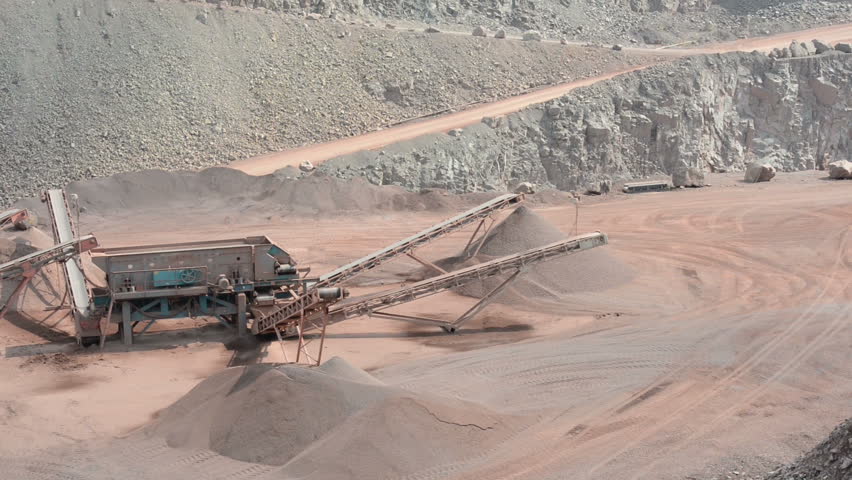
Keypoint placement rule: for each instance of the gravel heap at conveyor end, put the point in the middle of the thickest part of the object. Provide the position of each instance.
(94, 88)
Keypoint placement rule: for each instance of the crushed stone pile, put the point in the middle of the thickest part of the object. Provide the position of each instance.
(335, 421)
(523, 229)
(830, 460)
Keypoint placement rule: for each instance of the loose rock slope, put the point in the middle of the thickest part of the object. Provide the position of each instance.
(94, 88)
(714, 113)
(637, 21)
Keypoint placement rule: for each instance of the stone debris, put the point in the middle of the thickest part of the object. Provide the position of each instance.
(306, 166)
(500, 33)
(480, 31)
(431, 30)
(840, 170)
(843, 47)
(759, 172)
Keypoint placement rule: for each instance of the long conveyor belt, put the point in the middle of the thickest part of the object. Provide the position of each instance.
(510, 264)
(407, 245)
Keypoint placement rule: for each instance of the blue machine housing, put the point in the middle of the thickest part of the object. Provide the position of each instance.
(158, 282)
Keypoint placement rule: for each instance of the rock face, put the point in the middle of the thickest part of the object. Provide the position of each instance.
(711, 113)
(684, 176)
(831, 459)
(839, 170)
(759, 172)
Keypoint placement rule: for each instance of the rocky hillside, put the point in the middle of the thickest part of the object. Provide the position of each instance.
(714, 112)
(640, 21)
(95, 88)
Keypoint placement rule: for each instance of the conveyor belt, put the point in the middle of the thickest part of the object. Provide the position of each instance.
(431, 286)
(56, 253)
(63, 231)
(402, 247)
(11, 215)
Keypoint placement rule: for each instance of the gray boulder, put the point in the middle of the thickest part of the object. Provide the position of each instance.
(839, 170)
(687, 177)
(759, 172)
(821, 47)
(480, 31)
(798, 50)
(500, 33)
(525, 188)
(532, 35)
(843, 47)
(432, 30)
(306, 166)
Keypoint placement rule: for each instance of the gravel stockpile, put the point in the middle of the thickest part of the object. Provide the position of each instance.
(286, 421)
(523, 229)
(94, 88)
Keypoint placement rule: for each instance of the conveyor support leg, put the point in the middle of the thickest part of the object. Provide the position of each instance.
(126, 324)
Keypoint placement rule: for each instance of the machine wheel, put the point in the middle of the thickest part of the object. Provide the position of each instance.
(89, 341)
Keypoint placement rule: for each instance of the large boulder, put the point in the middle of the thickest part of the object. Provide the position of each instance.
(480, 31)
(526, 188)
(759, 172)
(821, 47)
(532, 35)
(841, 169)
(684, 176)
(500, 33)
(798, 49)
(843, 47)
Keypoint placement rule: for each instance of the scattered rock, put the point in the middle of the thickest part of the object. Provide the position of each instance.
(456, 132)
(684, 176)
(480, 31)
(500, 33)
(839, 170)
(532, 36)
(843, 47)
(759, 172)
(432, 30)
(306, 166)
(202, 17)
(617, 47)
(313, 16)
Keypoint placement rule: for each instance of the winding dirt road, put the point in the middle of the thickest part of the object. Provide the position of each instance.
(316, 154)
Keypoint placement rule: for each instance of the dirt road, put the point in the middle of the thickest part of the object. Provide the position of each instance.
(266, 164)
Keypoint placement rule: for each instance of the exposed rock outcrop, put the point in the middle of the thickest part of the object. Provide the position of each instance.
(713, 113)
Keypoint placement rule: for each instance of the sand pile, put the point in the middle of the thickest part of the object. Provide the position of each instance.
(830, 460)
(335, 421)
(523, 229)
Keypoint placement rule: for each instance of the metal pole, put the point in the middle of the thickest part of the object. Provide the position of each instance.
(485, 300)
(126, 325)
(241, 314)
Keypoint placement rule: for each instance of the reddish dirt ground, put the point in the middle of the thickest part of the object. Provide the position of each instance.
(728, 351)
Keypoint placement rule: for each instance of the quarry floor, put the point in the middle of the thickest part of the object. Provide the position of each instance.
(728, 351)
